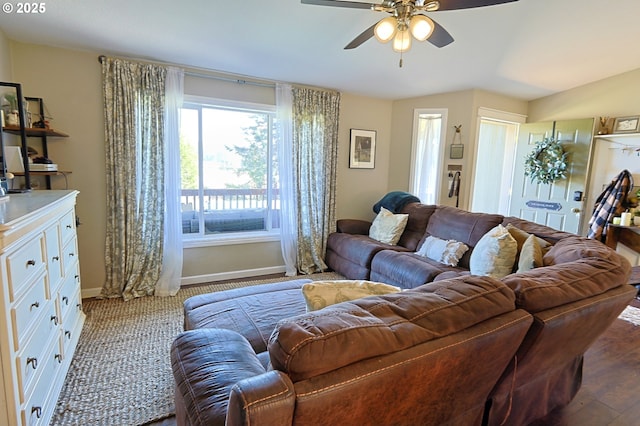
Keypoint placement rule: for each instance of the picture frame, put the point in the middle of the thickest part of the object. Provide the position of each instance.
(630, 124)
(362, 149)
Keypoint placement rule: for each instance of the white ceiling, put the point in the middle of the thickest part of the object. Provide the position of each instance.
(527, 49)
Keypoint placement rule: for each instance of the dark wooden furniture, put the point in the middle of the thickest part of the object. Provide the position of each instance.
(627, 235)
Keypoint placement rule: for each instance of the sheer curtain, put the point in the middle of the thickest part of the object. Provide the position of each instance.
(308, 175)
(288, 210)
(134, 104)
(426, 161)
(169, 282)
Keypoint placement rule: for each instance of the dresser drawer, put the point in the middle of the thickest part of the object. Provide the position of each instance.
(52, 255)
(39, 406)
(28, 309)
(72, 326)
(23, 264)
(70, 255)
(31, 359)
(68, 226)
(67, 297)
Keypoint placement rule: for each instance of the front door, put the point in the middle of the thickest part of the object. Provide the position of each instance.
(559, 205)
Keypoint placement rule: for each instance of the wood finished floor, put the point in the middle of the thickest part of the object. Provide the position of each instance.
(610, 392)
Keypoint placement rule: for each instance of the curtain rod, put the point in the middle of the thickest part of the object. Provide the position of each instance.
(101, 58)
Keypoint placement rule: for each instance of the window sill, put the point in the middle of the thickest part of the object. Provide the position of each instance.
(230, 239)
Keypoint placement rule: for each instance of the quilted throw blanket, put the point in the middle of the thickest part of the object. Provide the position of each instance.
(610, 203)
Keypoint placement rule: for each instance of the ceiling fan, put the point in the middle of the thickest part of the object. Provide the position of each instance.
(406, 20)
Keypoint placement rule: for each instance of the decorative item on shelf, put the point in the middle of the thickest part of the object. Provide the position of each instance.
(629, 124)
(547, 162)
(456, 151)
(636, 217)
(604, 126)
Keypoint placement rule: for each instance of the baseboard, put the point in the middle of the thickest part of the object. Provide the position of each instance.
(232, 275)
(88, 293)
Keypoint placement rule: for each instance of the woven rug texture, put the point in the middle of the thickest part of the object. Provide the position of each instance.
(631, 314)
(121, 372)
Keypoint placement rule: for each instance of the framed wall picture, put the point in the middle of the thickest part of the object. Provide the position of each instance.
(362, 150)
(626, 124)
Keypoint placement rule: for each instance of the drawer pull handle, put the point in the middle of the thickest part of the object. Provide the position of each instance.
(79, 306)
(77, 277)
(71, 254)
(55, 258)
(34, 305)
(31, 262)
(68, 334)
(37, 410)
(58, 358)
(69, 226)
(33, 362)
(65, 299)
(54, 318)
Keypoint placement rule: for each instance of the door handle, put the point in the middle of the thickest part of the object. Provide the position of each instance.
(575, 210)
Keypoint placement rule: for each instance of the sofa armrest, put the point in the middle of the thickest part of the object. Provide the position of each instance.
(206, 364)
(267, 399)
(353, 226)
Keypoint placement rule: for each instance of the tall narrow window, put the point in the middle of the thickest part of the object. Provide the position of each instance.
(228, 169)
(426, 154)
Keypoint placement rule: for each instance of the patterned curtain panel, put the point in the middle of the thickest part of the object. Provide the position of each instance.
(134, 102)
(315, 150)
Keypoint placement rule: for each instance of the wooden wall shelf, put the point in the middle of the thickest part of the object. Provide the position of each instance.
(35, 131)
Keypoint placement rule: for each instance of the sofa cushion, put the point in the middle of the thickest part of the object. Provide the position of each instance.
(594, 269)
(342, 334)
(419, 215)
(448, 252)
(495, 253)
(388, 227)
(406, 270)
(320, 294)
(450, 223)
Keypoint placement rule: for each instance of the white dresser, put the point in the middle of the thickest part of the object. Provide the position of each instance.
(40, 304)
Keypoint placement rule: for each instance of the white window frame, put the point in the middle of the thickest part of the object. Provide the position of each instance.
(246, 237)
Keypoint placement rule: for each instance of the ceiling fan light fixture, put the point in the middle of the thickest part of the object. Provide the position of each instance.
(402, 41)
(386, 29)
(421, 27)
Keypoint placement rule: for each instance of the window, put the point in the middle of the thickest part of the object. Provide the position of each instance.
(426, 154)
(228, 169)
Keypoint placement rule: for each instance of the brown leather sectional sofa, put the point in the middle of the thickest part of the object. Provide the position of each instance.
(460, 349)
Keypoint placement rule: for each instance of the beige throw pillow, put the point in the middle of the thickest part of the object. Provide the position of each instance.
(320, 294)
(521, 238)
(495, 254)
(388, 227)
(530, 255)
(448, 252)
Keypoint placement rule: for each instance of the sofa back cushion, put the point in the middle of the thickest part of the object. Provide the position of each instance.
(450, 223)
(575, 268)
(321, 341)
(419, 215)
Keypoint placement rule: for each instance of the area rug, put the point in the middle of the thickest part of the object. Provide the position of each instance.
(121, 374)
(631, 314)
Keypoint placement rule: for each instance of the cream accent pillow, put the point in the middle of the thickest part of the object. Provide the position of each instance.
(388, 227)
(530, 255)
(495, 254)
(320, 294)
(448, 252)
(521, 237)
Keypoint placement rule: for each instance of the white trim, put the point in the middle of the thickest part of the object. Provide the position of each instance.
(200, 279)
(494, 114)
(230, 239)
(226, 103)
(223, 276)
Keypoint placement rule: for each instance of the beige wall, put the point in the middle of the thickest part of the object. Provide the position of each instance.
(70, 84)
(5, 58)
(462, 109)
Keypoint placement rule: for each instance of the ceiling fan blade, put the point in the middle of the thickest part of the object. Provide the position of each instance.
(468, 4)
(336, 3)
(364, 36)
(439, 37)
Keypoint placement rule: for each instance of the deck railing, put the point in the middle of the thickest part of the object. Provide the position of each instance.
(228, 199)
